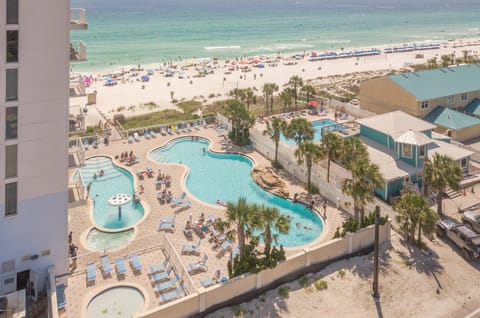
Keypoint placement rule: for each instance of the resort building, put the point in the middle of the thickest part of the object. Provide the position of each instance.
(439, 96)
(399, 143)
(33, 144)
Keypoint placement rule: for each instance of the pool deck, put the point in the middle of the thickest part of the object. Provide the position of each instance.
(145, 244)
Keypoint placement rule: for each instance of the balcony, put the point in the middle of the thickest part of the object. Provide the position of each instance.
(76, 120)
(77, 85)
(78, 19)
(78, 51)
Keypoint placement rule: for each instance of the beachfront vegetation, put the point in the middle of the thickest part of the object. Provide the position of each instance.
(156, 118)
(274, 129)
(300, 130)
(439, 173)
(296, 82)
(351, 226)
(365, 175)
(414, 215)
(269, 90)
(270, 218)
(332, 143)
(309, 153)
(309, 91)
(286, 96)
(241, 120)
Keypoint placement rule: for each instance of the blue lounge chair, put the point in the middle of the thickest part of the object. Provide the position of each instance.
(136, 136)
(161, 276)
(91, 273)
(166, 286)
(106, 267)
(61, 301)
(159, 267)
(146, 133)
(153, 134)
(174, 294)
(201, 266)
(120, 264)
(204, 123)
(207, 282)
(135, 262)
(183, 205)
(226, 246)
(179, 200)
(85, 144)
(163, 131)
(191, 249)
(168, 220)
(130, 139)
(235, 252)
(167, 227)
(189, 128)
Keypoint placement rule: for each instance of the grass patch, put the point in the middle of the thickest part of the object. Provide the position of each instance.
(121, 108)
(303, 281)
(284, 291)
(156, 118)
(238, 311)
(190, 106)
(320, 284)
(341, 273)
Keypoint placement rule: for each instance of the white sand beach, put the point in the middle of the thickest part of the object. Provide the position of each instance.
(227, 77)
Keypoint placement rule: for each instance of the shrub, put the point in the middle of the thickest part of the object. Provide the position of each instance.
(303, 281)
(238, 311)
(284, 291)
(320, 284)
(341, 273)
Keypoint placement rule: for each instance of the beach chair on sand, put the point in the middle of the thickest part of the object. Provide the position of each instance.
(120, 265)
(188, 234)
(179, 200)
(106, 267)
(174, 294)
(191, 249)
(135, 262)
(161, 276)
(91, 273)
(152, 134)
(61, 301)
(226, 246)
(157, 268)
(136, 136)
(166, 227)
(183, 206)
(166, 286)
(168, 220)
(200, 266)
(207, 282)
(130, 139)
(196, 126)
(146, 133)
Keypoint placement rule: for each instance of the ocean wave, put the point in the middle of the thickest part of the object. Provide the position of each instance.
(279, 47)
(228, 47)
(336, 41)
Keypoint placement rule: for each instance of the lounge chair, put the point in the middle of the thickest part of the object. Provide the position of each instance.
(207, 282)
(196, 126)
(161, 276)
(152, 134)
(136, 136)
(135, 262)
(204, 123)
(183, 206)
(188, 234)
(191, 249)
(121, 268)
(169, 131)
(200, 266)
(159, 267)
(95, 144)
(226, 246)
(166, 286)
(166, 227)
(146, 133)
(85, 144)
(189, 128)
(168, 220)
(106, 267)
(179, 200)
(211, 218)
(130, 139)
(235, 253)
(174, 294)
(91, 273)
(163, 131)
(61, 301)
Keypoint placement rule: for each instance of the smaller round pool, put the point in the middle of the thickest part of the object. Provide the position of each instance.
(99, 240)
(118, 302)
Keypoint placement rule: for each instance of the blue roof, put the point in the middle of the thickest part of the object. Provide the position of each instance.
(451, 119)
(473, 107)
(441, 82)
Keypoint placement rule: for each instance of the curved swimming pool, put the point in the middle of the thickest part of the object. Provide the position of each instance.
(118, 302)
(226, 177)
(114, 181)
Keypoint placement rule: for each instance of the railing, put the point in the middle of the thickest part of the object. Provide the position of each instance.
(78, 18)
(78, 51)
(77, 85)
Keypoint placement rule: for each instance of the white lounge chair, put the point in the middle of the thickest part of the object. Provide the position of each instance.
(146, 133)
(152, 134)
(136, 136)
(200, 266)
(191, 249)
(130, 139)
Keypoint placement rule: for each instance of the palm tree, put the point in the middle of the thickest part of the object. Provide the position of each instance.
(332, 144)
(414, 214)
(309, 90)
(296, 82)
(286, 96)
(271, 219)
(249, 97)
(309, 153)
(300, 130)
(274, 130)
(240, 222)
(267, 91)
(352, 148)
(235, 93)
(274, 88)
(240, 118)
(440, 173)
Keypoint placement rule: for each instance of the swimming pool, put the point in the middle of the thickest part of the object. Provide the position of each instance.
(115, 181)
(317, 125)
(100, 241)
(226, 177)
(118, 302)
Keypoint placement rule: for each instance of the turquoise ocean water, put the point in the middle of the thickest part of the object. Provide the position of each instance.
(125, 32)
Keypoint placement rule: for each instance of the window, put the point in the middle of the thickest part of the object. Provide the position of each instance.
(422, 151)
(11, 161)
(406, 151)
(10, 198)
(12, 46)
(425, 104)
(12, 84)
(12, 11)
(464, 96)
(11, 122)
(463, 163)
(450, 100)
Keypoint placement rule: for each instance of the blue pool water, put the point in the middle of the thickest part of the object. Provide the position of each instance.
(116, 302)
(317, 125)
(100, 241)
(115, 181)
(226, 177)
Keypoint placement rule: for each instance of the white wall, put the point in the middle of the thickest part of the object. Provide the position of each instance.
(41, 223)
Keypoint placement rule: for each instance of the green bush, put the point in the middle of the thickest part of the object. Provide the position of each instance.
(284, 291)
(320, 284)
(303, 281)
(342, 273)
(351, 226)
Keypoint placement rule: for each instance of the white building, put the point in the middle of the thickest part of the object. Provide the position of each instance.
(34, 97)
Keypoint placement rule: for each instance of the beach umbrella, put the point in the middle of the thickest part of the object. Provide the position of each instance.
(260, 65)
(149, 71)
(144, 78)
(88, 80)
(107, 79)
(256, 61)
(313, 103)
